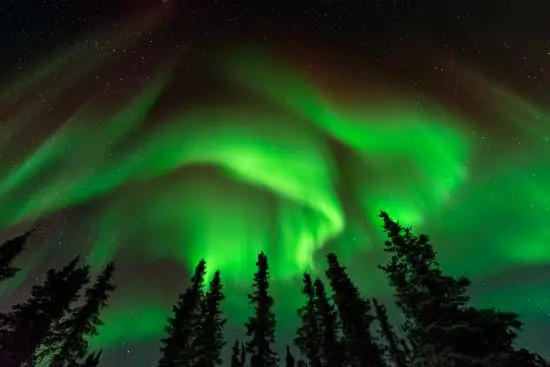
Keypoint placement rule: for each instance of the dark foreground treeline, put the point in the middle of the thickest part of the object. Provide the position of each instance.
(338, 327)
(52, 326)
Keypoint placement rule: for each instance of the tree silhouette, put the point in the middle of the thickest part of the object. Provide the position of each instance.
(393, 345)
(30, 323)
(421, 290)
(308, 336)
(209, 340)
(289, 359)
(355, 313)
(69, 343)
(236, 360)
(441, 328)
(9, 250)
(243, 355)
(92, 360)
(261, 326)
(331, 351)
(176, 347)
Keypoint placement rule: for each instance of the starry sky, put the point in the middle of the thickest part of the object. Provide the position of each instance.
(156, 133)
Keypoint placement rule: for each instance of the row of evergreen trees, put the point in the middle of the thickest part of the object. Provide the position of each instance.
(338, 330)
(337, 327)
(52, 327)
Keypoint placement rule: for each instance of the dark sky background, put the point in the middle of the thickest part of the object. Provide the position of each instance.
(155, 133)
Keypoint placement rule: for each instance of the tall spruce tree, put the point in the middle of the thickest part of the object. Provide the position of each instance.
(243, 355)
(442, 329)
(236, 360)
(209, 339)
(355, 313)
(176, 347)
(9, 250)
(30, 323)
(428, 299)
(331, 352)
(393, 345)
(289, 358)
(69, 342)
(308, 338)
(261, 326)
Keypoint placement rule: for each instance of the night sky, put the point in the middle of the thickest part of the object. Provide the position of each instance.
(155, 133)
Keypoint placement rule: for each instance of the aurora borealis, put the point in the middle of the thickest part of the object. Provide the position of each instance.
(182, 130)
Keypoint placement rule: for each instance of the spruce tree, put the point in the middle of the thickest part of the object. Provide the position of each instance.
(289, 359)
(428, 299)
(243, 355)
(9, 250)
(236, 354)
(355, 313)
(30, 323)
(442, 329)
(393, 345)
(176, 347)
(331, 351)
(69, 342)
(209, 340)
(308, 336)
(261, 326)
(92, 360)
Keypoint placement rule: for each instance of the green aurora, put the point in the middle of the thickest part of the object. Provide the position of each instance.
(282, 166)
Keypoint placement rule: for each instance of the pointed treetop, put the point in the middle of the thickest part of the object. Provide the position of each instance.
(177, 344)
(261, 326)
(9, 250)
(289, 360)
(235, 352)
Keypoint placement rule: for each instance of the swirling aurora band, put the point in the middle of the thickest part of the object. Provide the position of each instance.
(224, 180)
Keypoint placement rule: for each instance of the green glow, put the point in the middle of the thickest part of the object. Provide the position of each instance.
(413, 140)
(147, 320)
(227, 178)
(69, 181)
